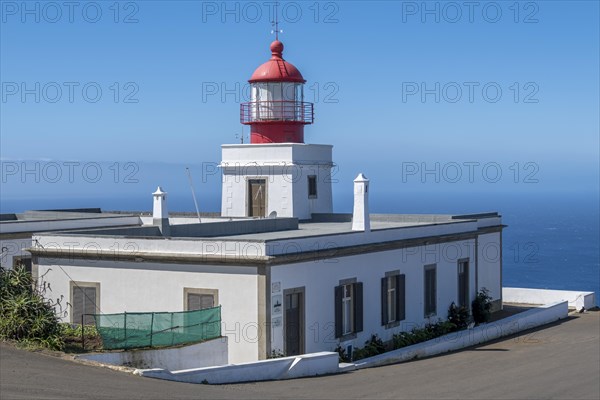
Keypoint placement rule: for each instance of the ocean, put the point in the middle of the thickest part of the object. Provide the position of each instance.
(552, 241)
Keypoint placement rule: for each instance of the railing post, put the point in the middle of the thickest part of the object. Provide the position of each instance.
(125, 326)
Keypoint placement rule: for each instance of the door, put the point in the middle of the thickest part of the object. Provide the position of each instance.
(294, 322)
(257, 199)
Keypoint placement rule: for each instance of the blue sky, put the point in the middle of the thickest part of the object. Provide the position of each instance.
(366, 63)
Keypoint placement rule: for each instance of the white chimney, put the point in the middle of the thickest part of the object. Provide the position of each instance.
(160, 214)
(360, 216)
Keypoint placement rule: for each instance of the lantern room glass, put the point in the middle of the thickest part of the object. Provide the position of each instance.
(279, 101)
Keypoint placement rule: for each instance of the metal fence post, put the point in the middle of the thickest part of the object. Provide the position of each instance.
(172, 330)
(125, 326)
(82, 335)
(151, 329)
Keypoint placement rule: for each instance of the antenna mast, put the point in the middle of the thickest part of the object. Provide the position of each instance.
(240, 136)
(189, 174)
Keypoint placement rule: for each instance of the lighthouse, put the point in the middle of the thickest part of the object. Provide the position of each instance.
(277, 173)
(277, 111)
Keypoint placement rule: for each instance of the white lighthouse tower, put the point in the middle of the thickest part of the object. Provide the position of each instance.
(276, 174)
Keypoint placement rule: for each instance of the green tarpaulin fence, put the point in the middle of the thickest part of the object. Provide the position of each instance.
(160, 329)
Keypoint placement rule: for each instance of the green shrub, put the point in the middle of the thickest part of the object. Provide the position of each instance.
(25, 315)
(276, 353)
(442, 328)
(373, 347)
(74, 330)
(482, 306)
(419, 335)
(343, 356)
(459, 316)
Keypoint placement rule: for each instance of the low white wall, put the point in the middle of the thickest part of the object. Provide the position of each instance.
(273, 369)
(205, 354)
(576, 300)
(470, 337)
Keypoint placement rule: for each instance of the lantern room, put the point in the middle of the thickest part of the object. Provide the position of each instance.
(277, 111)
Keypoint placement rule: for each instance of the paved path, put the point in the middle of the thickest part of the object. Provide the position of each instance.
(561, 361)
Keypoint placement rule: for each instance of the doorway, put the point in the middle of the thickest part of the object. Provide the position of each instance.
(293, 321)
(257, 199)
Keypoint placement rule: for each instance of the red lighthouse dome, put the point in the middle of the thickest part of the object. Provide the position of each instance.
(277, 112)
(277, 69)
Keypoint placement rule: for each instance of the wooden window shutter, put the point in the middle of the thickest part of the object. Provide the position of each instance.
(384, 304)
(90, 304)
(84, 302)
(207, 301)
(358, 307)
(338, 311)
(77, 306)
(194, 302)
(400, 297)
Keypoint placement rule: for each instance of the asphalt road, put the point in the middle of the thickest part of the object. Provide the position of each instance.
(561, 361)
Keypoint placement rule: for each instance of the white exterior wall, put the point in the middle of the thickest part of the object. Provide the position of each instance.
(198, 355)
(490, 264)
(235, 198)
(320, 277)
(304, 206)
(307, 365)
(576, 300)
(285, 167)
(147, 287)
(134, 246)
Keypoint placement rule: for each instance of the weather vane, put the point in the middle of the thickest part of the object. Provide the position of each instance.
(275, 23)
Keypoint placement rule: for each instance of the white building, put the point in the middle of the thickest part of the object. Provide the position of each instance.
(302, 280)
(16, 229)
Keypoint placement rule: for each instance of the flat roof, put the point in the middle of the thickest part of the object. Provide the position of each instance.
(56, 215)
(312, 229)
(270, 229)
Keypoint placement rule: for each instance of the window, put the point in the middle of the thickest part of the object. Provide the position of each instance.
(312, 186)
(348, 308)
(392, 299)
(85, 298)
(25, 261)
(199, 299)
(463, 283)
(430, 290)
